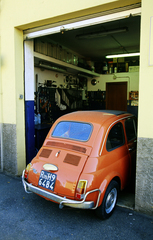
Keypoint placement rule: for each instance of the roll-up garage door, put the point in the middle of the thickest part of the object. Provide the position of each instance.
(107, 16)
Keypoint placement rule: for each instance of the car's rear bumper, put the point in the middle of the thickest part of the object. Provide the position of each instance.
(63, 201)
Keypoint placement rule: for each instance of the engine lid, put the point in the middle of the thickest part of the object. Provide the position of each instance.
(67, 165)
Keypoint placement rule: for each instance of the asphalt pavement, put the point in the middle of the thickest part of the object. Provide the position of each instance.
(29, 217)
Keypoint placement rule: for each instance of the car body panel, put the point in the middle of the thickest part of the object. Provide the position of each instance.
(88, 160)
(69, 166)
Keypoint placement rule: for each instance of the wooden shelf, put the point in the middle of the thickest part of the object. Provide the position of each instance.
(69, 67)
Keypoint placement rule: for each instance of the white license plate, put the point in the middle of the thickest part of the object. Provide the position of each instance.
(47, 180)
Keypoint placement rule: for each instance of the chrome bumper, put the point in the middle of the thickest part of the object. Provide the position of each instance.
(63, 201)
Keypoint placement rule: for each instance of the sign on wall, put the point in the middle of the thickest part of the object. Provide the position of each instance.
(151, 43)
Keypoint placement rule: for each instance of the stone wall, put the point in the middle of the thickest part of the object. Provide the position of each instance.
(144, 176)
(9, 149)
(0, 150)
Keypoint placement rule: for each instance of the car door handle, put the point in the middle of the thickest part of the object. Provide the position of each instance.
(131, 149)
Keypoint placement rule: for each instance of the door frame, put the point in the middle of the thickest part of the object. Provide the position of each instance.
(71, 24)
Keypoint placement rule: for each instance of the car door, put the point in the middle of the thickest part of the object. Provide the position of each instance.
(117, 156)
(131, 135)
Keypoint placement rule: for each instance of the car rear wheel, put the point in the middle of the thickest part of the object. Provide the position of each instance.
(106, 209)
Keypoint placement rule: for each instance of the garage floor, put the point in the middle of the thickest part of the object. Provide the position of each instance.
(126, 199)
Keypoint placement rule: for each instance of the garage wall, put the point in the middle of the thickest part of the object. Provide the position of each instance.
(1, 125)
(44, 75)
(17, 16)
(49, 11)
(144, 176)
(132, 78)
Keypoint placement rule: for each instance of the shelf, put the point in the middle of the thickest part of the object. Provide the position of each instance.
(69, 67)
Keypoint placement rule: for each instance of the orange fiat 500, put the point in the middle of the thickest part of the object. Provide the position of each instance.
(86, 158)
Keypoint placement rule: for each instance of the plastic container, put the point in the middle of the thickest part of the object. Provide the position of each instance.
(39, 118)
(36, 119)
(105, 68)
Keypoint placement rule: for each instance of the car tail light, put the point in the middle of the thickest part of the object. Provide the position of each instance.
(81, 189)
(27, 170)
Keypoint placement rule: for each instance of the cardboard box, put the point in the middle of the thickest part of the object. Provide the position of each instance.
(133, 68)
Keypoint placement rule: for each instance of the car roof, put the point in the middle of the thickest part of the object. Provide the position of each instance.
(95, 116)
(115, 112)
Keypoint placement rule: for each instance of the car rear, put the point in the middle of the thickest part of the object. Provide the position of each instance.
(56, 171)
(60, 162)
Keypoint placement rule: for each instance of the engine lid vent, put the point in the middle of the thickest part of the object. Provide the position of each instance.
(45, 153)
(72, 159)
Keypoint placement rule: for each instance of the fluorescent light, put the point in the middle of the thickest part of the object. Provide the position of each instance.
(101, 34)
(43, 32)
(123, 55)
(57, 69)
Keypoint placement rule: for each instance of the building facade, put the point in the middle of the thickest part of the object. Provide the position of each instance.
(16, 17)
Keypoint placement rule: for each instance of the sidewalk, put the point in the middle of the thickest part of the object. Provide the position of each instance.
(29, 217)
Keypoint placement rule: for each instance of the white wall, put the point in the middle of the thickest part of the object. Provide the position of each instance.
(132, 79)
(44, 74)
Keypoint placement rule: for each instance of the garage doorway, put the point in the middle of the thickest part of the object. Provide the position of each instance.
(116, 96)
(60, 34)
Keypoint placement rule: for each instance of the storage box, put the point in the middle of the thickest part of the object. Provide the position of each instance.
(50, 50)
(133, 68)
(54, 51)
(133, 95)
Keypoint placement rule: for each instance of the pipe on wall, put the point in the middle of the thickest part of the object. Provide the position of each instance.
(1, 141)
(1, 124)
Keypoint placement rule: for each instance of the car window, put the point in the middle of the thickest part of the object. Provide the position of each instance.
(73, 130)
(115, 137)
(130, 128)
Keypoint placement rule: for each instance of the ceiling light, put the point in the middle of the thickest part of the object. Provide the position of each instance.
(57, 69)
(123, 55)
(101, 34)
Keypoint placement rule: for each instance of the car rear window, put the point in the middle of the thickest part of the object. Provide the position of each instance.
(73, 130)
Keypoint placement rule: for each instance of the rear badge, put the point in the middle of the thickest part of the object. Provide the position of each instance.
(56, 155)
(50, 167)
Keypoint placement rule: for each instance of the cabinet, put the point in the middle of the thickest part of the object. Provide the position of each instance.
(60, 66)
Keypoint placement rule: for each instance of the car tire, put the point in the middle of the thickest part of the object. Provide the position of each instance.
(108, 204)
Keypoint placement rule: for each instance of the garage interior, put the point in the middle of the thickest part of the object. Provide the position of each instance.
(69, 69)
(77, 58)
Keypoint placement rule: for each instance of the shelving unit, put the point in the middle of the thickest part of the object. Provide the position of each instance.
(69, 67)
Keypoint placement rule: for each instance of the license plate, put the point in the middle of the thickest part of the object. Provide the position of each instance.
(47, 180)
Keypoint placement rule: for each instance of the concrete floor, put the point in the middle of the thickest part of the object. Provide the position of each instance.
(126, 199)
